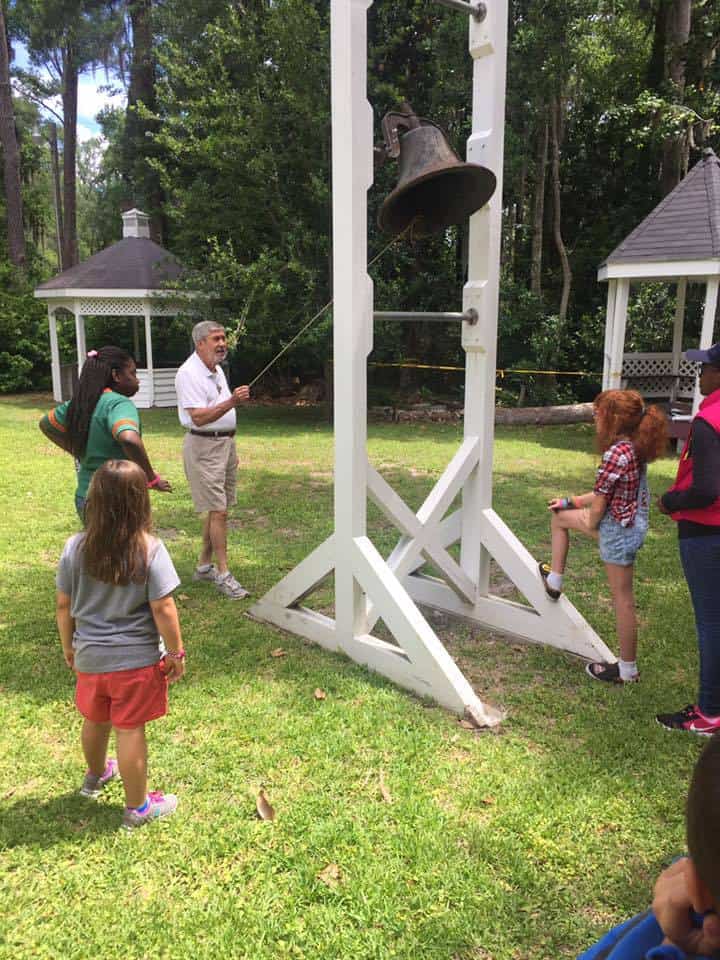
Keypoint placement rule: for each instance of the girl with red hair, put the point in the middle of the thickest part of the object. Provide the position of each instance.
(615, 513)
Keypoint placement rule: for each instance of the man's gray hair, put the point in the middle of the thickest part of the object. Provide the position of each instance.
(204, 329)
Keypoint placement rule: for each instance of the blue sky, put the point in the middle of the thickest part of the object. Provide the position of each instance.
(91, 99)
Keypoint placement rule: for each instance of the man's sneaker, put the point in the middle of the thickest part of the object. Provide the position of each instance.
(92, 785)
(209, 572)
(229, 587)
(690, 719)
(159, 805)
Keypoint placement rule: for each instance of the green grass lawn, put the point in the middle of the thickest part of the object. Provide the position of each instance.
(523, 843)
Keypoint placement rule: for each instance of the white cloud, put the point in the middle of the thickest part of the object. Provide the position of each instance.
(91, 100)
(86, 133)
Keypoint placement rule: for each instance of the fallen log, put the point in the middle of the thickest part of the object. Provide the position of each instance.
(568, 413)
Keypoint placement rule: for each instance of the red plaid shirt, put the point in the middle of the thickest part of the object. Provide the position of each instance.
(618, 479)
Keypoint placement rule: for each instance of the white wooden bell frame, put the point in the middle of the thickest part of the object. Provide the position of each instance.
(368, 587)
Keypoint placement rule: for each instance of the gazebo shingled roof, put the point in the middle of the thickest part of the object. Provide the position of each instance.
(683, 226)
(130, 264)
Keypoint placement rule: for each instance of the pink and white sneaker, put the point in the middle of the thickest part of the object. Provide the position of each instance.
(92, 785)
(158, 805)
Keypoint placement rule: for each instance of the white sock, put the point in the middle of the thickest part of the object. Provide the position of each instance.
(554, 580)
(203, 567)
(628, 669)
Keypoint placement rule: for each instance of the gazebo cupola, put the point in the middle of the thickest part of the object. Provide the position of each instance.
(130, 278)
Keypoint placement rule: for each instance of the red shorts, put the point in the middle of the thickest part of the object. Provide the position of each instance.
(126, 698)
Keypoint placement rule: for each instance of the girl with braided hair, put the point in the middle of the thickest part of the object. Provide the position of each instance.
(101, 422)
(629, 435)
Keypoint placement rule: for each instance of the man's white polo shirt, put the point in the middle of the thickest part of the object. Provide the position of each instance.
(196, 388)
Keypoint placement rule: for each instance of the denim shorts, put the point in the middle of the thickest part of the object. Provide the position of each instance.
(619, 544)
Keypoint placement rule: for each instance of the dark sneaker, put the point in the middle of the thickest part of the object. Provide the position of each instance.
(691, 720)
(160, 805)
(608, 673)
(92, 785)
(545, 571)
(210, 574)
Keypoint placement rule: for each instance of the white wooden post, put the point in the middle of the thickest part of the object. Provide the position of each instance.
(80, 336)
(708, 328)
(136, 339)
(149, 354)
(617, 347)
(54, 355)
(487, 44)
(678, 325)
(366, 586)
(609, 327)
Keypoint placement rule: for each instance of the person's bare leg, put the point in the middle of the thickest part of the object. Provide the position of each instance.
(621, 587)
(132, 761)
(94, 739)
(206, 552)
(217, 531)
(561, 523)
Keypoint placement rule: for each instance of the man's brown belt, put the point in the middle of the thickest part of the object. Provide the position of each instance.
(213, 433)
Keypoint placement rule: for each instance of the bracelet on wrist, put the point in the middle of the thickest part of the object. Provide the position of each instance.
(175, 655)
(154, 482)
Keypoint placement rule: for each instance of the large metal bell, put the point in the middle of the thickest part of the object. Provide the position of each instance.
(435, 188)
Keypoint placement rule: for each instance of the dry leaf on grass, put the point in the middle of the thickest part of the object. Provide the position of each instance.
(384, 792)
(264, 808)
(278, 652)
(183, 596)
(319, 694)
(488, 801)
(467, 725)
(330, 875)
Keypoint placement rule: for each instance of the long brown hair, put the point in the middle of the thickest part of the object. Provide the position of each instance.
(622, 413)
(118, 519)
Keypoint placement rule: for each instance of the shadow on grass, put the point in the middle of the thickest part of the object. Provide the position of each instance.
(44, 823)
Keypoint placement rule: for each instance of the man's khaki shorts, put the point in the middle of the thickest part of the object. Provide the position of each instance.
(211, 469)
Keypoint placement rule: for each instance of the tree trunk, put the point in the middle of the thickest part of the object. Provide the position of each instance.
(556, 126)
(142, 90)
(57, 202)
(11, 156)
(69, 98)
(675, 148)
(539, 207)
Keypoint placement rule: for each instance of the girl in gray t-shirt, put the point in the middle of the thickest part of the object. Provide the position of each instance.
(120, 632)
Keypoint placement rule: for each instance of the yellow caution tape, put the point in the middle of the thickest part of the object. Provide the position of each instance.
(499, 372)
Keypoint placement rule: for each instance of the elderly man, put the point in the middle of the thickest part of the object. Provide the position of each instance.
(206, 408)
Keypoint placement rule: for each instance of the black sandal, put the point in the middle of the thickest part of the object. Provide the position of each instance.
(608, 673)
(545, 572)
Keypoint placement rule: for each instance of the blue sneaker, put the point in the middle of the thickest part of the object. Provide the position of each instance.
(93, 785)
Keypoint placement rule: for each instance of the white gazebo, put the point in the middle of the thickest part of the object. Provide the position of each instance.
(130, 278)
(678, 242)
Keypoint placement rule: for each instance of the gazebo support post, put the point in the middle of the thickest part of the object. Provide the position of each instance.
(678, 334)
(54, 355)
(609, 326)
(614, 379)
(136, 339)
(149, 354)
(80, 336)
(708, 327)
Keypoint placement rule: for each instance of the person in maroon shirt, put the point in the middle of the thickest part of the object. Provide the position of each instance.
(694, 503)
